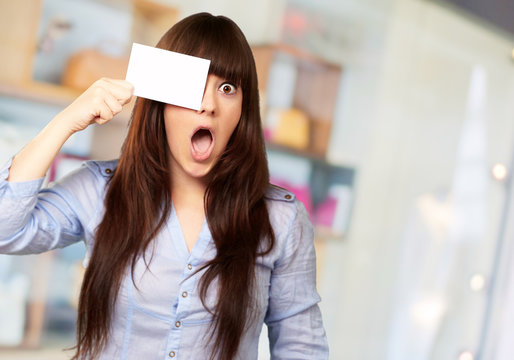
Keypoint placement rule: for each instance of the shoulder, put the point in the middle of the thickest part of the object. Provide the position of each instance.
(281, 203)
(92, 177)
(276, 193)
(290, 222)
(103, 169)
(284, 209)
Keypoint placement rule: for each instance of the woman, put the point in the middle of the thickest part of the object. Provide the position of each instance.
(189, 249)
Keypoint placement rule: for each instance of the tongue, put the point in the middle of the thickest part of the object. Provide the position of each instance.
(202, 141)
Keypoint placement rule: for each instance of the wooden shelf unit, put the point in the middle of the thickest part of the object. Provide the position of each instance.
(314, 94)
(19, 22)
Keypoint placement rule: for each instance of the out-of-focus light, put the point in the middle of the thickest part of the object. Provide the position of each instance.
(466, 355)
(295, 22)
(512, 54)
(477, 282)
(428, 311)
(499, 172)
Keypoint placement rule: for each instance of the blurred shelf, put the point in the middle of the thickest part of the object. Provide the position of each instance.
(298, 96)
(45, 93)
(55, 353)
(324, 233)
(304, 55)
(56, 95)
(296, 152)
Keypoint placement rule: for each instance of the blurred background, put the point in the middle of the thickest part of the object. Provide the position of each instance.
(392, 120)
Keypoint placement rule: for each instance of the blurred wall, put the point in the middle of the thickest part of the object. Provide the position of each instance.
(406, 103)
(259, 20)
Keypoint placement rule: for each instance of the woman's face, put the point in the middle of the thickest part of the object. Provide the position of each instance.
(198, 138)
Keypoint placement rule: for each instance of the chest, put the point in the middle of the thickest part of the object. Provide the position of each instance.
(190, 226)
(166, 282)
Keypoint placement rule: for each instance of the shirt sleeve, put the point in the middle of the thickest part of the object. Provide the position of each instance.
(295, 327)
(34, 220)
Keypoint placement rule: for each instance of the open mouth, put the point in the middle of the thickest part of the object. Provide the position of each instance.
(202, 143)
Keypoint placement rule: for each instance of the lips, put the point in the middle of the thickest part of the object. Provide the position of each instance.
(202, 143)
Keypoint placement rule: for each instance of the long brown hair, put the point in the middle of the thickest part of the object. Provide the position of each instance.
(138, 199)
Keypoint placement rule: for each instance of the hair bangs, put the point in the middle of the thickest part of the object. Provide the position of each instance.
(215, 38)
(228, 62)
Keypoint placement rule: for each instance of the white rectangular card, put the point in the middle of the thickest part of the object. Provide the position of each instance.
(167, 76)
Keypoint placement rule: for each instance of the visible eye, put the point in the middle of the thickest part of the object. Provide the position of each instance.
(228, 88)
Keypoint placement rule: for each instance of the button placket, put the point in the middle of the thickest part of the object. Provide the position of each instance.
(184, 299)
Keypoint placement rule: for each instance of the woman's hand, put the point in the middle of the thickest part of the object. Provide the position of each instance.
(98, 104)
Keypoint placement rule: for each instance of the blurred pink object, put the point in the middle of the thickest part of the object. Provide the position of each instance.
(325, 212)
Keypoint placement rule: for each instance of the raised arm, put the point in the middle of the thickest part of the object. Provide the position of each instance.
(34, 220)
(98, 104)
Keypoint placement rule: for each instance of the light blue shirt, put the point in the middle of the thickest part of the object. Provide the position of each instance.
(163, 318)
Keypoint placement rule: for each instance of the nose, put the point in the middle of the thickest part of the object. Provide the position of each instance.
(209, 98)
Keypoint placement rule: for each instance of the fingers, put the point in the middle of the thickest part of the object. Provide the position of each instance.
(106, 106)
(109, 96)
(113, 104)
(110, 109)
(99, 103)
(121, 89)
(119, 82)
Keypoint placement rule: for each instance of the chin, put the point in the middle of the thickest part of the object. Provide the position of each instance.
(200, 172)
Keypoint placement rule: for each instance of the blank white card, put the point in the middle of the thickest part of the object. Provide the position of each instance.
(167, 76)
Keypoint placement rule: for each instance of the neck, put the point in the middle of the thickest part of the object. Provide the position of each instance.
(188, 200)
(188, 193)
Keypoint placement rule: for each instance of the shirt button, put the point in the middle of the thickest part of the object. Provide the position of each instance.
(177, 324)
(189, 266)
(184, 294)
(288, 197)
(108, 171)
(172, 354)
